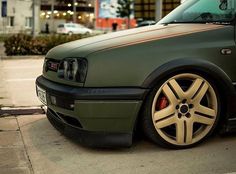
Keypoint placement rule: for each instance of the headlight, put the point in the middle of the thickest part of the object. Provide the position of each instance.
(74, 69)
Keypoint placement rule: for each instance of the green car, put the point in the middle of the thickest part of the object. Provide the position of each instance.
(176, 79)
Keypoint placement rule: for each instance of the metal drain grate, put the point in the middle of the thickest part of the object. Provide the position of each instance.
(9, 111)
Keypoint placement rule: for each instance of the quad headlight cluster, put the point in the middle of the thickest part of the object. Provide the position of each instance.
(73, 69)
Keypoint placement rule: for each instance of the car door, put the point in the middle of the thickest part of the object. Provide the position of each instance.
(219, 44)
(80, 29)
(228, 46)
(229, 52)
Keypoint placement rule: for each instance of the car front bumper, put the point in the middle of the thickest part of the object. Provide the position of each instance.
(101, 117)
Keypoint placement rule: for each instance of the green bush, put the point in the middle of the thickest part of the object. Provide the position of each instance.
(22, 44)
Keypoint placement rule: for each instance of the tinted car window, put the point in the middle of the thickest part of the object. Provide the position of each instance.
(61, 26)
(202, 11)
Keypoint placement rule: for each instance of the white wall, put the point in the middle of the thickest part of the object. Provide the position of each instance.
(19, 9)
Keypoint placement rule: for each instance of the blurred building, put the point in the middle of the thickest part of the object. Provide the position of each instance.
(154, 9)
(106, 15)
(17, 16)
(169, 5)
(54, 12)
(143, 10)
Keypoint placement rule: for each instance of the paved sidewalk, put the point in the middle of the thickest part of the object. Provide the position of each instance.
(30, 145)
(4, 95)
(13, 156)
(17, 87)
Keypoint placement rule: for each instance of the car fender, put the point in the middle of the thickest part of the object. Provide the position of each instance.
(223, 82)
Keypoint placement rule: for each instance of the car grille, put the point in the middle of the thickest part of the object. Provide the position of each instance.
(52, 65)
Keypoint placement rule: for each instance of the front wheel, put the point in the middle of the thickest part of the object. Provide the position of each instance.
(182, 111)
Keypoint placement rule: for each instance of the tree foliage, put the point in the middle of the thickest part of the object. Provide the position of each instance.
(125, 9)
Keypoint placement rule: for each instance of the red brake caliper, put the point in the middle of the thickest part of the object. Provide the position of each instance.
(162, 103)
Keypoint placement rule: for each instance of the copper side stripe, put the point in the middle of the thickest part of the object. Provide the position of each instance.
(130, 34)
(161, 37)
(145, 31)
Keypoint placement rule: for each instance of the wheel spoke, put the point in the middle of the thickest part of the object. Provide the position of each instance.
(166, 112)
(189, 131)
(176, 87)
(203, 110)
(169, 94)
(198, 97)
(180, 132)
(203, 119)
(194, 88)
(190, 112)
(165, 122)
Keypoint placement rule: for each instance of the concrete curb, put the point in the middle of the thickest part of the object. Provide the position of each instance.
(9, 111)
(21, 57)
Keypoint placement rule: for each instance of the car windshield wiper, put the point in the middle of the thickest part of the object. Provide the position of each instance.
(204, 16)
(184, 22)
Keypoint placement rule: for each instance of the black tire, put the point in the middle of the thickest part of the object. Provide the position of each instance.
(147, 117)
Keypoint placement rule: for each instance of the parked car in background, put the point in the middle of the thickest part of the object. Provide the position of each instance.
(146, 23)
(72, 28)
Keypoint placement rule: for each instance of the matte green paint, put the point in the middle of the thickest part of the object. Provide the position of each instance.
(112, 64)
(122, 66)
(104, 116)
(117, 116)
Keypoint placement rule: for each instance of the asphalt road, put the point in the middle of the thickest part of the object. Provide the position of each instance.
(30, 145)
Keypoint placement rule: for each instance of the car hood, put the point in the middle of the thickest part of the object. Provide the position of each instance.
(84, 47)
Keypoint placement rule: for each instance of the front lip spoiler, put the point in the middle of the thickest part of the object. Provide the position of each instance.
(89, 138)
(82, 93)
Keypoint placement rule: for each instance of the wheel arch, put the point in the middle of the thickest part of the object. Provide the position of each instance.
(223, 82)
(187, 64)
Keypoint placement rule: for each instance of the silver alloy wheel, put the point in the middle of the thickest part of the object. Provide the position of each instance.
(191, 110)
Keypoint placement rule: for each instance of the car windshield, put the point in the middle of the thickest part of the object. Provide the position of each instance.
(202, 11)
